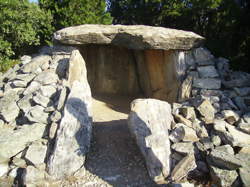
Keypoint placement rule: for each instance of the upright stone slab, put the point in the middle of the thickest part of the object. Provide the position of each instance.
(149, 122)
(74, 133)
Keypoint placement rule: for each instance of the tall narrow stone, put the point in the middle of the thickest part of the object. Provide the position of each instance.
(149, 122)
(74, 133)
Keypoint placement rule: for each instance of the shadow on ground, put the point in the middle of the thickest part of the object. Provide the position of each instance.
(115, 157)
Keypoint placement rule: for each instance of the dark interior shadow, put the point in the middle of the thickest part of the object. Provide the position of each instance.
(114, 155)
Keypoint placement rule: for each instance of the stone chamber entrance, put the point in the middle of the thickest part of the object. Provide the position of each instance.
(117, 76)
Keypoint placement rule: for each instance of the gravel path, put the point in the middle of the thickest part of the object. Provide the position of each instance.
(114, 159)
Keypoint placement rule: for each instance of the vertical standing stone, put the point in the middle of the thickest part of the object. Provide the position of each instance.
(149, 122)
(74, 133)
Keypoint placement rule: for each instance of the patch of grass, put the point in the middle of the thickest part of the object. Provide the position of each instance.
(6, 64)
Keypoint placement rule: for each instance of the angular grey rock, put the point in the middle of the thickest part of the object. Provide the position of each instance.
(35, 63)
(185, 184)
(183, 167)
(18, 162)
(207, 72)
(25, 59)
(47, 78)
(246, 117)
(242, 91)
(187, 133)
(10, 111)
(202, 55)
(62, 98)
(244, 175)
(41, 100)
(25, 77)
(177, 134)
(149, 122)
(4, 168)
(220, 125)
(244, 159)
(207, 111)
(33, 176)
(34, 86)
(237, 83)
(48, 91)
(186, 88)
(181, 119)
(216, 140)
(55, 116)
(245, 127)
(239, 101)
(133, 37)
(25, 103)
(36, 152)
(188, 112)
(204, 144)
(224, 160)
(235, 137)
(200, 129)
(183, 147)
(18, 84)
(12, 142)
(37, 114)
(207, 83)
(53, 130)
(10, 74)
(74, 133)
(230, 116)
(223, 177)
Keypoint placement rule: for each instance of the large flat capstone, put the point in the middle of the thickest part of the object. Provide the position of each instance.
(132, 37)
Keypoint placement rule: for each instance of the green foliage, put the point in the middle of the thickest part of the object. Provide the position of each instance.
(76, 12)
(224, 23)
(23, 27)
(6, 63)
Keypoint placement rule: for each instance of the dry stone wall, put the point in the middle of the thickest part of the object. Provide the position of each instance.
(210, 137)
(46, 118)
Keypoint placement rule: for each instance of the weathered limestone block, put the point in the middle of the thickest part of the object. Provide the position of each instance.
(222, 177)
(207, 83)
(73, 136)
(132, 37)
(207, 72)
(12, 142)
(149, 122)
(36, 152)
(224, 160)
(35, 63)
(207, 111)
(183, 167)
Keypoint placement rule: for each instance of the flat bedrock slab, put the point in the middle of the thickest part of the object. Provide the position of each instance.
(132, 37)
(149, 122)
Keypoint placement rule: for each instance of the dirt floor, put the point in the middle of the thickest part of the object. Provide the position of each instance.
(115, 159)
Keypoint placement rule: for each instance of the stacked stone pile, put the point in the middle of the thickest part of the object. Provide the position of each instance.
(210, 134)
(32, 99)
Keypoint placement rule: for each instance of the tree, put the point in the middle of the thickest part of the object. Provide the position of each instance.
(23, 26)
(224, 23)
(76, 12)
